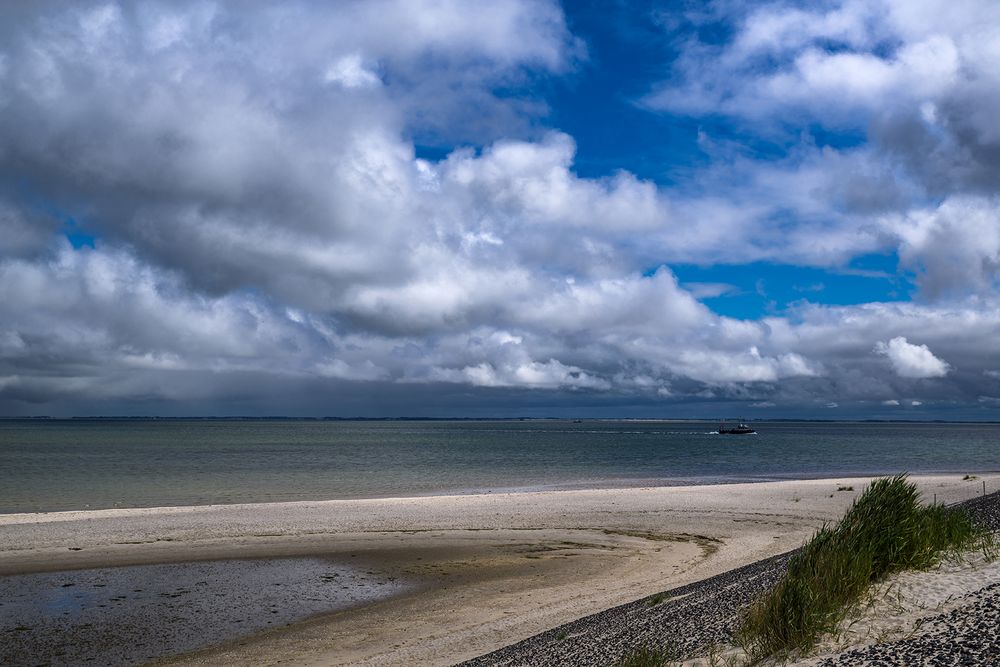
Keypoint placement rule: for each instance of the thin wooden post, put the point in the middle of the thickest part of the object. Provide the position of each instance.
(984, 487)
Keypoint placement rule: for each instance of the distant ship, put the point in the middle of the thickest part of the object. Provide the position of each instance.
(739, 429)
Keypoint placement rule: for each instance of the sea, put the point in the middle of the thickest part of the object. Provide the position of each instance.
(50, 465)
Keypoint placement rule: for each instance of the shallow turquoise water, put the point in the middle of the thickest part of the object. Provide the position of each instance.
(75, 464)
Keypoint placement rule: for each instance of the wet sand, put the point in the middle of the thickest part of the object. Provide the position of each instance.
(128, 615)
(480, 571)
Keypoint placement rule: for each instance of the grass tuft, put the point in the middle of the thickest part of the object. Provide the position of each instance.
(645, 656)
(886, 529)
(654, 600)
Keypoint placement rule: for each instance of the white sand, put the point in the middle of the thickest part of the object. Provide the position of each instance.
(491, 568)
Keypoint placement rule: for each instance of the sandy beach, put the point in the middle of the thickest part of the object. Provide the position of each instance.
(480, 571)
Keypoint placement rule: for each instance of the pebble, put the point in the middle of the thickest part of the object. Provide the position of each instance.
(698, 616)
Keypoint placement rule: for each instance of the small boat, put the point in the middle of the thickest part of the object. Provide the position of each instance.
(740, 429)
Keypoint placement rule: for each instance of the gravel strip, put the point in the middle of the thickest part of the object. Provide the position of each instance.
(984, 510)
(688, 621)
(694, 617)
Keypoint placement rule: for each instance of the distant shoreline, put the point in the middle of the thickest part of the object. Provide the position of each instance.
(670, 420)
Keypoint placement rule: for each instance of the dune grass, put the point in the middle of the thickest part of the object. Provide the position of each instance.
(645, 656)
(886, 530)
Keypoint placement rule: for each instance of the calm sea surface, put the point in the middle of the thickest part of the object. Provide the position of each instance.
(59, 465)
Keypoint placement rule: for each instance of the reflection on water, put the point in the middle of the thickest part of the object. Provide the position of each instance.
(128, 615)
(53, 465)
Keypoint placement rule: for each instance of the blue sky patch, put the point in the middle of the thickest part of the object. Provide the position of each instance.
(759, 289)
(77, 236)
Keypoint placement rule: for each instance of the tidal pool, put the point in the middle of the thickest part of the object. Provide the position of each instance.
(129, 615)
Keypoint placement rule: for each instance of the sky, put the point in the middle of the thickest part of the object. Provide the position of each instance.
(514, 208)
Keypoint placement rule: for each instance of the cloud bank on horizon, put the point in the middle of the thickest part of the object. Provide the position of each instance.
(377, 208)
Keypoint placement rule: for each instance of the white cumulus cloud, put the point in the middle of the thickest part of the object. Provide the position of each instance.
(912, 361)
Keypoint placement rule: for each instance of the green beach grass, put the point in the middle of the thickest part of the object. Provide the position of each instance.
(648, 657)
(887, 529)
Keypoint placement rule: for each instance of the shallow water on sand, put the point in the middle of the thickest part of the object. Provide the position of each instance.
(129, 615)
(50, 465)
